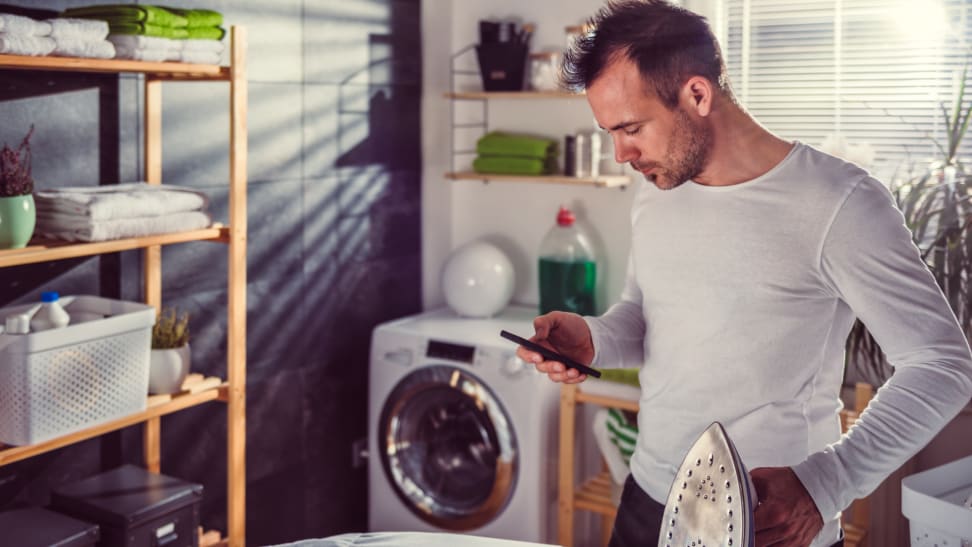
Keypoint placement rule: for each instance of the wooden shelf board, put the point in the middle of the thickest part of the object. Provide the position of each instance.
(10, 454)
(606, 181)
(77, 64)
(47, 250)
(624, 404)
(481, 95)
(595, 495)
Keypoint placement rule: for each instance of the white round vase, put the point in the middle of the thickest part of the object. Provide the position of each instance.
(168, 368)
(478, 280)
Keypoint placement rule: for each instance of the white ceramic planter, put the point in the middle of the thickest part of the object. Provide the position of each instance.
(168, 368)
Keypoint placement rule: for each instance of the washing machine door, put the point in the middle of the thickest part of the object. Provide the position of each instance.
(448, 448)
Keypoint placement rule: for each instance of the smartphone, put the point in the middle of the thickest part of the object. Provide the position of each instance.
(550, 355)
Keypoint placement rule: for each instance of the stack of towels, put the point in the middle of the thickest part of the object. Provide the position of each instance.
(102, 213)
(510, 154)
(156, 33)
(63, 36)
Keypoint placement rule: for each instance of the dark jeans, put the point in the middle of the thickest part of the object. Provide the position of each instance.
(639, 519)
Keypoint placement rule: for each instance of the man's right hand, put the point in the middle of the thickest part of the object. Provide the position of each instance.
(567, 334)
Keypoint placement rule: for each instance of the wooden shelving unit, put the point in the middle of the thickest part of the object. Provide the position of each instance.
(593, 494)
(603, 181)
(197, 390)
(606, 181)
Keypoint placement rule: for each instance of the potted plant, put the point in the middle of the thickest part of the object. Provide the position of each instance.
(17, 213)
(169, 364)
(936, 201)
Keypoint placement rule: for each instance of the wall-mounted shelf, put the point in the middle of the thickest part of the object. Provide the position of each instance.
(166, 70)
(487, 95)
(40, 250)
(605, 181)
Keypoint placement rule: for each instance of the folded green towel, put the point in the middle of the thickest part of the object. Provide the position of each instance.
(627, 376)
(506, 165)
(126, 13)
(199, 17)
(205, 33)
(145, 29)
(506, 144)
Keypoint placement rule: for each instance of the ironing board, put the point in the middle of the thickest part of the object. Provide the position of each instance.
(409, 539)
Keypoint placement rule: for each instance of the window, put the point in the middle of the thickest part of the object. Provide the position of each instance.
(868, 71)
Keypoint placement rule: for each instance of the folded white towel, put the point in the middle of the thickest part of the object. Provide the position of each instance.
(199, 57)
(71, 228)
(115, 201)
(21, 44)
(24, 26)
(75, 47)
(84, 29)
(146, 54)
(134, 41)
(197, 44)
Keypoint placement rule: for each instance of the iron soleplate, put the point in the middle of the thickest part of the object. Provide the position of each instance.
(711, 501)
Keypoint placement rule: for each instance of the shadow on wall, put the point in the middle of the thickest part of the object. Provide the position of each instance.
(333, 245)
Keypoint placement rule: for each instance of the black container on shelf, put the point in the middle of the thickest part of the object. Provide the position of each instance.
(134, 508)
(36, 527)
(502, 65)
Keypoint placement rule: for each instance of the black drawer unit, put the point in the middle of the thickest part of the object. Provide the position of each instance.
(135, 508)
(36, 527)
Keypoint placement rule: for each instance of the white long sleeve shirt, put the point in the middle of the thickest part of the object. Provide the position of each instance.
(737, 305)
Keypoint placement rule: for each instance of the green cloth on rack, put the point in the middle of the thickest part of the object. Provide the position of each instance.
(627, 376)
(145, 29)
(198, 17)
(129, 13)
(205, 33)
(506, 165)
(497, 143)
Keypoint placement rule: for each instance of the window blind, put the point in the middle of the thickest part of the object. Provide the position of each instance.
(869, 71)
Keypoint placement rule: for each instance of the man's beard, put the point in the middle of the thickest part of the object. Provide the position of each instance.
(687, 154)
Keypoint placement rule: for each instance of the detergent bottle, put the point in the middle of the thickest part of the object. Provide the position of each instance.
(567, 268)
(51, 315)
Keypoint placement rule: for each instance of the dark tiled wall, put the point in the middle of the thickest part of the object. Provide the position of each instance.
(334, 162)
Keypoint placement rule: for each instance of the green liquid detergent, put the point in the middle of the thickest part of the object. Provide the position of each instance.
(567, 286)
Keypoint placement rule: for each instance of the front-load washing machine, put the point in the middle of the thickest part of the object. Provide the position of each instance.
(462, 433)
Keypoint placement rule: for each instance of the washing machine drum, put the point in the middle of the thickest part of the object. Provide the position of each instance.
(448, 448)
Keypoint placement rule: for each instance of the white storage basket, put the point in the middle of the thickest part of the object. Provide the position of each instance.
(935, 503)
(58, 381)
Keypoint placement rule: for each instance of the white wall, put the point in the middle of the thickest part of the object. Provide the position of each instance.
(513, 215)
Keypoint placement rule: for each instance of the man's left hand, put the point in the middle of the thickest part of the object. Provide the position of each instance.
(786, 515)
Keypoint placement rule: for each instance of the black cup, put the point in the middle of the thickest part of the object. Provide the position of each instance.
(502, 66)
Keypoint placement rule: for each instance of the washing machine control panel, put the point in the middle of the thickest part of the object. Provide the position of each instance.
(453, 352)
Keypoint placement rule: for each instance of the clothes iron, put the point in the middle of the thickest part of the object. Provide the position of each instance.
(712, 498)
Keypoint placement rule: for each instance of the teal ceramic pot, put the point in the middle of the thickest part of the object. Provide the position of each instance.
(17, 219)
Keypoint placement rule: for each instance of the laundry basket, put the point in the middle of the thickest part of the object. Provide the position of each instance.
(94, 370)
(936, 504)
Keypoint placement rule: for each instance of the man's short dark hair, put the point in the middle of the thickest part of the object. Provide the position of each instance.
(669, 44)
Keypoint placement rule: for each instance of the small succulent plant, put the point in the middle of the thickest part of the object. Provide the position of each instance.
(15, 179)
(171, 330)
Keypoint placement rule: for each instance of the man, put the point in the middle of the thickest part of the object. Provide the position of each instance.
(750, 258)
